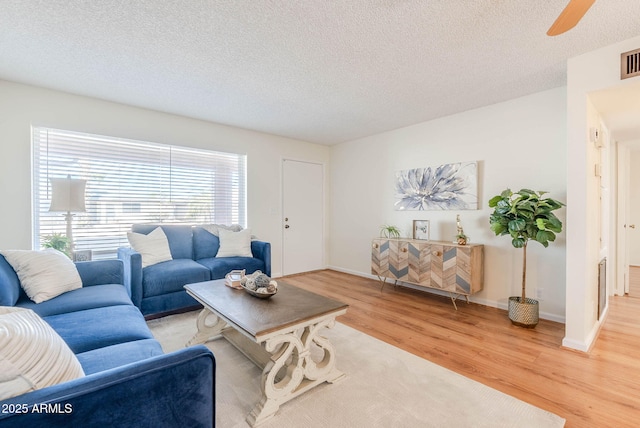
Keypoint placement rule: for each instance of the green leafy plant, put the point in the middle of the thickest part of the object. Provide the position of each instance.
(525, 216)
(388, 231)
(57, 241)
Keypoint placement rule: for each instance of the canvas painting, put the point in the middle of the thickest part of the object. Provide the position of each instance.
(452, 186)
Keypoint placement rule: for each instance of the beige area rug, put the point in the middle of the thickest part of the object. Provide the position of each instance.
(385, 387)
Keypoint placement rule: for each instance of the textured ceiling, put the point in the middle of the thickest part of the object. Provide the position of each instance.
(321, 71)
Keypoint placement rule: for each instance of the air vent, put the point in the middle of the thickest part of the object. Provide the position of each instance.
(630, 64)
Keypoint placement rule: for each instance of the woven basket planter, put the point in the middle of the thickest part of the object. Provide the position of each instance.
(523, 314)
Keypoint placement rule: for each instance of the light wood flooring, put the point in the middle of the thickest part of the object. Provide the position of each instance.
(634, 281)
(598, 389)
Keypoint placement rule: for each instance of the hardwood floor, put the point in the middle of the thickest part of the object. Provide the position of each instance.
(634, 281)
(598, 389)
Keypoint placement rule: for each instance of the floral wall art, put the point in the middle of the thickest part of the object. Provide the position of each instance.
(453, 186)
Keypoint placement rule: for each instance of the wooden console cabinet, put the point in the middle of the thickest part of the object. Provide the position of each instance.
(456, 269)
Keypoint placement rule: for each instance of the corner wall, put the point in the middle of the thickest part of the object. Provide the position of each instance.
(518, 143)
(22, 106)
(586, 73)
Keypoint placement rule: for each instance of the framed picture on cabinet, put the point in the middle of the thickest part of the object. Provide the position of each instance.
(82, 256)
(421, 229)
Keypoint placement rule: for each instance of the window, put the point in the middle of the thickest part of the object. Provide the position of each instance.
(132, 182)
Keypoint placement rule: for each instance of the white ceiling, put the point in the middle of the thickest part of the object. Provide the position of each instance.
(321, 71)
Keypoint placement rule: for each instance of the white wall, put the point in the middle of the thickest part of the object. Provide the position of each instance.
(22, 106)
(586, 73)
(518, 143)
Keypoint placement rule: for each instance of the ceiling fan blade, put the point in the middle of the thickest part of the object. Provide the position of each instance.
(570, 16)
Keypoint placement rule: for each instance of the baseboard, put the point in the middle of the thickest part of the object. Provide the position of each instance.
(352, 272)
(591, 338)
(575, 345)
(474, 299)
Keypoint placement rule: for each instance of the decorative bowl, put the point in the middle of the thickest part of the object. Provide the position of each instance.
(259, 295)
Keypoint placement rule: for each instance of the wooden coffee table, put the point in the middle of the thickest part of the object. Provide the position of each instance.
(277, 334)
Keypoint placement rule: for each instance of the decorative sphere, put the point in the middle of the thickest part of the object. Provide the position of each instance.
(262, 281)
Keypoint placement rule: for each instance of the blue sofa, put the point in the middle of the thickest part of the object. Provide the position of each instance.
(159, 289)
(129, 381)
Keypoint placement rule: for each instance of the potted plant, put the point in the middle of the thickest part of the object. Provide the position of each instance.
(57, 241)
(525, 216)
(388, 231)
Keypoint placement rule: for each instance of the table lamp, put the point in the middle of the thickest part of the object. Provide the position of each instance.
(67, 196)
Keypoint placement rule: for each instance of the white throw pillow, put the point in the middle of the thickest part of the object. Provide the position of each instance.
(43, 274)
(154, 247)
(235, 244)
(214, 229)
(32, 355)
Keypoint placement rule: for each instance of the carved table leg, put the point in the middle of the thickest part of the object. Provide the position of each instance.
(292, 370)
(325, 369)
(209, 327)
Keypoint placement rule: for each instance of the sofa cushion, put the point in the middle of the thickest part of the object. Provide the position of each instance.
(9, 284)
(219, 267)
(32, 355)
(118, 355)
(235, 244)
(43, 274)
(180, 237)
(96, 328)
(172, 276)
(96, 296)
(153, 247)
(205, 244)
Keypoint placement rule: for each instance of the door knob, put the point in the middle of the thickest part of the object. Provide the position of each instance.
(632, 226)
(286, 226)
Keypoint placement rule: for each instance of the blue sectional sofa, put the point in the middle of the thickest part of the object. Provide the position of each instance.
(129, 381)
(159, 288)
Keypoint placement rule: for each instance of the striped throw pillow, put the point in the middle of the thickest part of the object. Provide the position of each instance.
(32, 354)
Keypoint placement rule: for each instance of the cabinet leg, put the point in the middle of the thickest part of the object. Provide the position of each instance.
(454, 297)
(383, 281)
(453, 300)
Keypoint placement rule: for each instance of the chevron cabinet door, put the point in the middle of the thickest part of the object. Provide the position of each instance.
(398, 259)
(461, 279)
(436, 254)
(419, 262)
(459, 269)
(380, 258)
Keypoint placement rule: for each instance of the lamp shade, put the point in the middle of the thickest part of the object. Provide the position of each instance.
(67, 195)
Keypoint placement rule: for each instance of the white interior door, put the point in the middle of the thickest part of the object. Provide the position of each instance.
(622, 265)
(633, 220)
(303, 216)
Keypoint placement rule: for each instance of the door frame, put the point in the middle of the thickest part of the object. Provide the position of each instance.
(283, 159)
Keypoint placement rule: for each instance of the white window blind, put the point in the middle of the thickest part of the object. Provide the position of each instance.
(133, 182)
